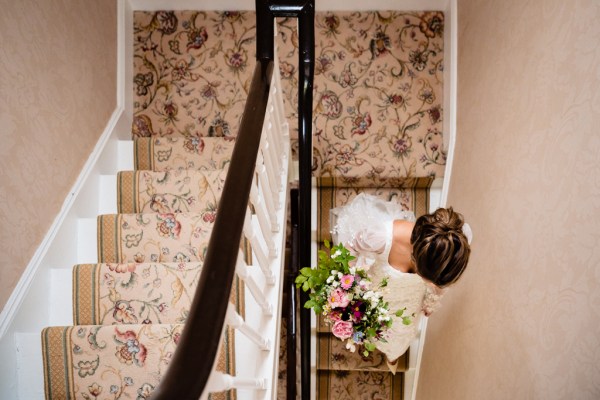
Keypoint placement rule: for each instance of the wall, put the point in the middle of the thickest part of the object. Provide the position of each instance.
(57, 92)
(524, 323)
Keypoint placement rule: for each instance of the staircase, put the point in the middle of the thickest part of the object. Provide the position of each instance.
(129, 309)
(133, 284)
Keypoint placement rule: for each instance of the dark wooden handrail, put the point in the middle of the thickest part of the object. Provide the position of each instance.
(192, 362)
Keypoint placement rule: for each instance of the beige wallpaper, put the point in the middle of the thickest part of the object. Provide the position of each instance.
(524, 323)
(57, 92)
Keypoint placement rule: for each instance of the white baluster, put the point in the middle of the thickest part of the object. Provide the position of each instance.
(275, 159)
(218, 382)
(243, 272)
(272, 176)
(236, 321)
(272, 137)
(265, 188)
(263, 219)
(278, 100)
(257, 250)
(274, 153)
(275, 104)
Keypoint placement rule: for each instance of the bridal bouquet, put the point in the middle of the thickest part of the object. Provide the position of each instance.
(347, 299)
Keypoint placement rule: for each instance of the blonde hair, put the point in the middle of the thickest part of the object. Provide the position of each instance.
(440, 248)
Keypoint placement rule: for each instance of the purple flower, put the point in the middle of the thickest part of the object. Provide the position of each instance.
(358, 310)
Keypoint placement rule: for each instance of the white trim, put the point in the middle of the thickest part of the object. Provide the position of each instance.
(405, 5)
(321, 5)
(451, 54)
(156, 5)
(452, 78)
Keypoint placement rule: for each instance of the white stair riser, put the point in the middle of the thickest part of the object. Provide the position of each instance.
(60, 313)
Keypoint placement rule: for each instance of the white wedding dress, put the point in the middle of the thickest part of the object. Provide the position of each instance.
(365, 226)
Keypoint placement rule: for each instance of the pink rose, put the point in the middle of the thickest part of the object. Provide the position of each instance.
(342, 329)
(338, 298)
(335, 316)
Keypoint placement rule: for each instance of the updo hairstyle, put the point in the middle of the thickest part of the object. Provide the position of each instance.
(440, 248)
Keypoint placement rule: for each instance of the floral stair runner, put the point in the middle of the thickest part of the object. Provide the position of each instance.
(171, 191)
(115, 361)
(181, 152)
(137, 293)
(129, 308)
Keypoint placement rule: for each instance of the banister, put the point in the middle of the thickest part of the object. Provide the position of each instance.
(186, 377)
(192, 363)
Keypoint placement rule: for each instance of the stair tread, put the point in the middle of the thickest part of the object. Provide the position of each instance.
(181, 152)
(123, 360)
(413, 198)
(333, 355)
(154, 237)
(359, 385)
(169, 191)
(111, 293)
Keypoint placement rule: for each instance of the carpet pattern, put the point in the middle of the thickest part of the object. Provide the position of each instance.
(180, 152)
(153, 237)
(114, 361)
(378, 101)
(132, 293)
(172, 191)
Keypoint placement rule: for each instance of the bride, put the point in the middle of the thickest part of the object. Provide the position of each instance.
(419, 257)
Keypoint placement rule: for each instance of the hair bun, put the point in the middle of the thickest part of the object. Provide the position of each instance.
(441, 246)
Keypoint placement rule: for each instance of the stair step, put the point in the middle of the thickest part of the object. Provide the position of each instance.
(333, 355)
(87, 250)
(169, 191)
(125, 152)
(153, 237)
(108, 194)
(414, 196)
(180, 152)
(379, 385)
(107, 294)
(61, 288)
(29, 365)
(124, 361)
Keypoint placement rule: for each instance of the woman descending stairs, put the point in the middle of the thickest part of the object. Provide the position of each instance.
(342, 374)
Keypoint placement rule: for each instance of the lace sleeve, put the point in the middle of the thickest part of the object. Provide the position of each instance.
(431, 302)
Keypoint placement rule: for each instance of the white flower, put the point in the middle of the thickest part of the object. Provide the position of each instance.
(335, 284)
(340, 275)
(336, 254)
(352, 271)
(350, 346)
(330, 279)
